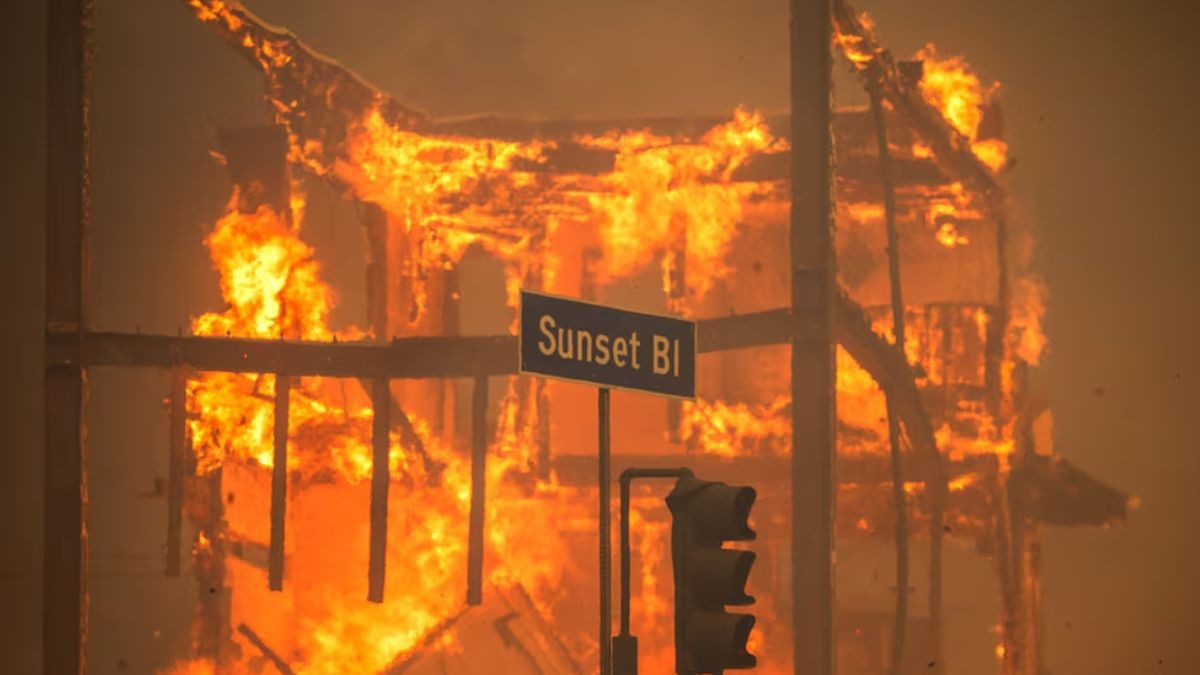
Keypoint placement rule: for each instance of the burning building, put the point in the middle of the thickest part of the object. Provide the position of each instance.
(360, 499)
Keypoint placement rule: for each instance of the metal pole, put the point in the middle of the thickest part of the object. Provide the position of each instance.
(625, 646)
(479, 403)
(283, 390)
(813, 370)
(626, 482)
(605, 535)
(64, 559)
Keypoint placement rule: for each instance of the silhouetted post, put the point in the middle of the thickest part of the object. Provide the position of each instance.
(381, 401)
(176, 466)
(813, 369)
(605, 486)
(479, 403)
(283, 390)
(64, 587)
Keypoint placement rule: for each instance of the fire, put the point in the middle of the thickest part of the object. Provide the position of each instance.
(737, 429)
(273, 286)
(671, 202)
(947, 208)
(444, 186)
(1026, 336)
(192, 667)
(854, 46)
(269, 278)
(952, 87)
(664, 196)
(949, 236)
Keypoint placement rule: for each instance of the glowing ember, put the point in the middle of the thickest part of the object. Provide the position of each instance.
(949, 236)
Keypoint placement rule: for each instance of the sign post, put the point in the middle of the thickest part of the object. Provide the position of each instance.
(616, 349)
(604, 472)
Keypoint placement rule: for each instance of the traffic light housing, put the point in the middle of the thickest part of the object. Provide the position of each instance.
(708, 577)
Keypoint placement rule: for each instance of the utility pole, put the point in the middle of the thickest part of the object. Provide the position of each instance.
(813, 367)
(64, 591)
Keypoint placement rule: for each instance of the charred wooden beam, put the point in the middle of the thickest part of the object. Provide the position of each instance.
(571, 158)
(558, 129)
(316, 97)
(320, 99)
(851, 124)
(404, 661)
(380, 480)
(271, 655)
(580, 470)
(426, 357)
(253, 553)
(888, 367)
(1052, 491)
(758, 329)
(479, 404)
(64, 559)
(374, 220)
(403, 358)
(412, 442)
(283, 388)
(176, 466)
(874, 64)
(206, 509)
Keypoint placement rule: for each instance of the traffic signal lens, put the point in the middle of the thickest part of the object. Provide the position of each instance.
(718, 576)
(719, 511)
(717, 641)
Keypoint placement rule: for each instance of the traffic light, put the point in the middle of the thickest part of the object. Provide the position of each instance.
(708, 577)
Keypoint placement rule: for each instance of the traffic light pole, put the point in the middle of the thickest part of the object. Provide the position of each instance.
(624, 647)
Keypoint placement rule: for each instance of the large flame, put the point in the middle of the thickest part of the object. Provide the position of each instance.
(272, 286)
(951, 86)
(665, 196)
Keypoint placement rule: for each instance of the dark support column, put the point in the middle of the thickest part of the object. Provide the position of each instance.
(210, 627)
(375, 221)
(64, 590)
(900, 619)
(813, 370)
(176, 466)
(479, 404)
(381, 401)
(283, 390)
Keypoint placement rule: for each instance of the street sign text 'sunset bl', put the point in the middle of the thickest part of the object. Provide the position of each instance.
(575, 340)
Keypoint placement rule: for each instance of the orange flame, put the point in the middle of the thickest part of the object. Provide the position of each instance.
(272, 285)
(666, 200)
(661, 192)
(951, 86)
